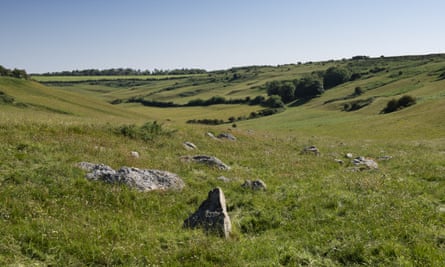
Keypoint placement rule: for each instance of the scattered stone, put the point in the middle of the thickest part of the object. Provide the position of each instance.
(384, 158)
(141, 179)
(254, 185)
(349, 155)
(227, 136)
(311, 150)
(339, 161)
(208, 160)
(211, 215)
(224, 179)
(365, 163)
(189, 146)
(442, 209)
(209, 134)
(100, 148)
(134, 154)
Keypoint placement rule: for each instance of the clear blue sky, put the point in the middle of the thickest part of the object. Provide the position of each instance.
(55, 35)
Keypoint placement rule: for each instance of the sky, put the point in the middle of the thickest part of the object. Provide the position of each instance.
(55, 35)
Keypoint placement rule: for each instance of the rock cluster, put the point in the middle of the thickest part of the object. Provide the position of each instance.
(141, 179)
(211, 215)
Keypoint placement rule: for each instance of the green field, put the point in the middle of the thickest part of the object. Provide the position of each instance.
(315, 212)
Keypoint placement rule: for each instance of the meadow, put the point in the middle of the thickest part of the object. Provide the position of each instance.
(315, 211)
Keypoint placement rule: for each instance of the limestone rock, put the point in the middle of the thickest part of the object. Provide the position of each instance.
(134, 154)
(311, 150)
(208, 160)
(364, 163)
(339, 161)
(209, 134)
(211, 215)
(223, 178)
(189, 146)
(147, 180)
(254, 185)
(384, 158)
(98, 172)
(227, 136)
(141, 179)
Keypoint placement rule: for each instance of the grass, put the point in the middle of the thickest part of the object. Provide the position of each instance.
(315, 212)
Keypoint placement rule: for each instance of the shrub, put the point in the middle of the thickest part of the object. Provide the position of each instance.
(274, 101)
(146, 132)
(355, 76)
(6, 99)
(358, 104)
(395, 105)
(358, 90)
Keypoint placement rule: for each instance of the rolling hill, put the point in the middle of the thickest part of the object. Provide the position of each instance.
(318, 210)
(381, 79)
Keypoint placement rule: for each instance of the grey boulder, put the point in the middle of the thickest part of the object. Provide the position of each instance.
(211, 215)
(141, 179)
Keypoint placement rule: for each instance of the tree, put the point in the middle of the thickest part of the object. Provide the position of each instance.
(284, 89)
(335, 76)
(308, 87)
(273, 87)
(16, 73)
(287, 92)
(21, 74)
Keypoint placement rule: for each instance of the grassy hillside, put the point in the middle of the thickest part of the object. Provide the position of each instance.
(315, 211)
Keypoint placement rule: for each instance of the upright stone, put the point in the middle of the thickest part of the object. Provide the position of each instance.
(211, 215)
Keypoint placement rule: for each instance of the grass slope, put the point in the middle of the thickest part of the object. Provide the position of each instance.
(315, 212)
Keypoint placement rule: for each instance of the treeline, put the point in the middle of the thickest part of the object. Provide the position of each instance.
(310, 86)
(270, 102)
(123, 72)
(16, 73)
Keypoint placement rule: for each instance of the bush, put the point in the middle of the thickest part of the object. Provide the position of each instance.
(355, 76)
(6, 99)
(288, 91)
(308, 88)
(335, 76)
(395, 105)
(358, 90)
(146, 132)
(273, 101)
(358, 104)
